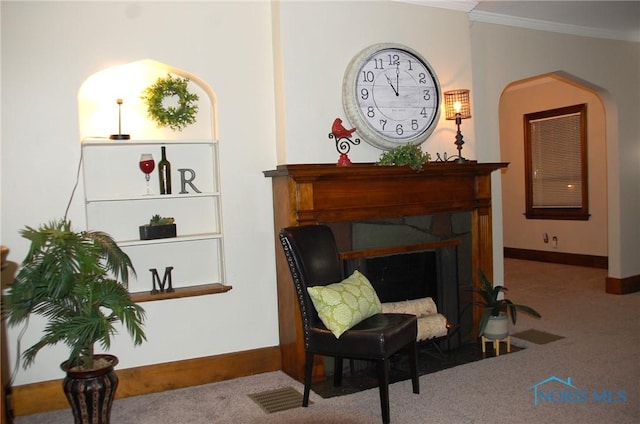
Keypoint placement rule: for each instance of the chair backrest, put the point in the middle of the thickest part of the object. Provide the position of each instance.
(313, 260)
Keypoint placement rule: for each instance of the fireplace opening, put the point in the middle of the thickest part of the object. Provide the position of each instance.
(404, 276)
(414, 257)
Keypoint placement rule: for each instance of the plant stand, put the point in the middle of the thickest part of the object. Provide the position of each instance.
(496, 344)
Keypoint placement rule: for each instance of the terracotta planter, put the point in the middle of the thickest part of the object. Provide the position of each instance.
(91, 393)
(497, 327)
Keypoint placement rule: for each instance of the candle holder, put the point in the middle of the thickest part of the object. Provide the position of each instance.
(119, 136)
(457, 107)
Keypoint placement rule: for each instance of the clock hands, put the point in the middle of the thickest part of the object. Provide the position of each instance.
(391, 84)
(397, 79)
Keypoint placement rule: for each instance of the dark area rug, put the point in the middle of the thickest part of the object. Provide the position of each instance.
(430, 360)
(536, 336)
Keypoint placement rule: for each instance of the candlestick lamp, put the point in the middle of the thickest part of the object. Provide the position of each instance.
(119, 136)
(457, 107)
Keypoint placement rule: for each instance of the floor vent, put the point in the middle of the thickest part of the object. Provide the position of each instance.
(278, 400)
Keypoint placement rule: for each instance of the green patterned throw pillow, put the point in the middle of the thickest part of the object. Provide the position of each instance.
(342, 305)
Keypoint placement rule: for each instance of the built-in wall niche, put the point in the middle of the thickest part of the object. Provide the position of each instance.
(99, 110)
(189, 261)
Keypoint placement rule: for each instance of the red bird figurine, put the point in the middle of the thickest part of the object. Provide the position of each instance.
(339, 131)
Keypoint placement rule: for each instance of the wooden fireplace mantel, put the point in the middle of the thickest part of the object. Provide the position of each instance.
(305, 194)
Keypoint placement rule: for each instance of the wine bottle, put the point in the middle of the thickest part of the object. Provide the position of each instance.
(164, 172)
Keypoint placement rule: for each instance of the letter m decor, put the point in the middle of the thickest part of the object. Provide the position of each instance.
(166, 281)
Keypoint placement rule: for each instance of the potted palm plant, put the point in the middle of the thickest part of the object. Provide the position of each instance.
(494, 322)
(71, 279)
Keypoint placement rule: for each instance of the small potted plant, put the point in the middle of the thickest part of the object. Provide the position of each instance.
(408, 154)
(157, 228)
(71, 279)
(494, 322)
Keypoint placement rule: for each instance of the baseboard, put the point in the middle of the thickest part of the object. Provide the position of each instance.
(48, 395)
(622, 285)
(591, 261)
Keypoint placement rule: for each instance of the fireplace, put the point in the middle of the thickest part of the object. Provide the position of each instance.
(452, 200)
(404, 276)
(413, 257)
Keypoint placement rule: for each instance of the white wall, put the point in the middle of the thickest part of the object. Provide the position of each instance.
(320, 38)
(48, 50)
(504, 54)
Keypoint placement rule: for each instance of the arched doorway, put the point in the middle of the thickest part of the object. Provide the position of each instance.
(590, 240)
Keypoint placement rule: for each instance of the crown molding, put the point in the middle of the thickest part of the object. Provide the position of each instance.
(460, 5)
(541, 25)
(496, 18)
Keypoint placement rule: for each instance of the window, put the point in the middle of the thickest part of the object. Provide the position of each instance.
(556, 164)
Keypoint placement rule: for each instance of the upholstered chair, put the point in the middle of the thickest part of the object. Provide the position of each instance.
(314, 263)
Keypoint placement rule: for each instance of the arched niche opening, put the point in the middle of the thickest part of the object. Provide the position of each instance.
(98, 107)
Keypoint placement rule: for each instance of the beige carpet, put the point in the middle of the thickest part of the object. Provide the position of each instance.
(600, 354)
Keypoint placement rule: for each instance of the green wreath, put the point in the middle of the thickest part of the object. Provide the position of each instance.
(173, 117)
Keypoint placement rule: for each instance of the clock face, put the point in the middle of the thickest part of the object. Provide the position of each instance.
(391, 95)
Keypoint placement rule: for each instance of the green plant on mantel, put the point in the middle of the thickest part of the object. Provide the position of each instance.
(406, 155)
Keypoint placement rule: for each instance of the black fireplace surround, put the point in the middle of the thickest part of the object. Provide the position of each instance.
(442, 272)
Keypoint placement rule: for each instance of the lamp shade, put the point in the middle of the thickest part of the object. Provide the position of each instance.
(457, 101)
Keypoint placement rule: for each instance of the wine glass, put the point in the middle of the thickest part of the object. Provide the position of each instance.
(147, 165)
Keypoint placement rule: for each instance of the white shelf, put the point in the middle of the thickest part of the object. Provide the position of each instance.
(151, 197)
(115, 204)
(133, 142)
(178, 239)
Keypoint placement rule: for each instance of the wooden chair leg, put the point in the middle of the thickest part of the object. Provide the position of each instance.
(383, 383)
(337, 371)
(308, 369)
(413, 363)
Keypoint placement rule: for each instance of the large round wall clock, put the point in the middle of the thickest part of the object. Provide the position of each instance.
(391, 95)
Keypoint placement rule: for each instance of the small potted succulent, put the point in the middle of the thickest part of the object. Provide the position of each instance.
(157, 228)
(496, 312)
